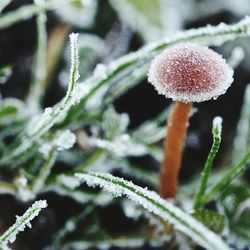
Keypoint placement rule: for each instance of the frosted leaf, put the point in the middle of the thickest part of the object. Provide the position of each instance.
(121, 145)
(217, 125)
(62, 140)
(131, 210)
(21, 222)
(65, 140)
(38, 121)
(113, 123)
(11, 109)
(101, 71)
(190, 73)
(80, 90)
(152, 202)
(69, 181)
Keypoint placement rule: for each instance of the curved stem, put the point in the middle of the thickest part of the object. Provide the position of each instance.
(173, 147)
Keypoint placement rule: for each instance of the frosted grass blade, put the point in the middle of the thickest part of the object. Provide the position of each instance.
(21, 222)
(152, 202)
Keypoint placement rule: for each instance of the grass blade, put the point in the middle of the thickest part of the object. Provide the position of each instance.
(182, 221)
(217, 129)
(227, 179)
(10, 235)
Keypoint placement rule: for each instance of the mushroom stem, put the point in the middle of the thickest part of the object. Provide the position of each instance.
(173, 146)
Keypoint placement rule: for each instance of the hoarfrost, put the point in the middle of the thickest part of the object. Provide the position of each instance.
(190, 73)
(65, 140)
(21, 222)
(153, 203)
(217, 124)
(121, 145)
(38, 121)
(113, 123)
(80, 90)
(101, 71)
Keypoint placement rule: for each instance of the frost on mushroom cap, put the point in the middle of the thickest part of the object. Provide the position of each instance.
(190, 73)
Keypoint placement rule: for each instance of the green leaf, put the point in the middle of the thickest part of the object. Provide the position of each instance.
(5, 73)
(232, 174)
(114, 124)
(232, 198)
(11, 110)
(210, 219)
(182, 221)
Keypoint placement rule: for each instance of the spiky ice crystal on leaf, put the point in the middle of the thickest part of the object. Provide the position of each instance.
(190, 73)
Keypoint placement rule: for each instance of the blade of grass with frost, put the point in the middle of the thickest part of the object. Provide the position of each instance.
(37, 88)
(21, 222)
(29, 10)
(218, 188)
(51, 116)
(151, 201)
(119, 242)
(217, 129)
(45, 170)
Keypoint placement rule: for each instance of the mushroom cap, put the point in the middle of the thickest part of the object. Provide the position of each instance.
(190, 73)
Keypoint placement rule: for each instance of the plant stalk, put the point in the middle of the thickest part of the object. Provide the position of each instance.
(173, 147)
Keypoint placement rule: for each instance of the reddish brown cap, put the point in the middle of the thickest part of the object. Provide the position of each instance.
(190, 73)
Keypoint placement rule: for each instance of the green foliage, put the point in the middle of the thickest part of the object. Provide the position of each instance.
(154, 204)
(21, 222)
(46, 151)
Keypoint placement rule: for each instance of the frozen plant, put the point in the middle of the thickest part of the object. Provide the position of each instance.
(63, 128)
(187, 73)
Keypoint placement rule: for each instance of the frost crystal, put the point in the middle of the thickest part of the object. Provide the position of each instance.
(190, 73)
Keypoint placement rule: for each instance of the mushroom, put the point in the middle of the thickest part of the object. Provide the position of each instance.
(187, 73)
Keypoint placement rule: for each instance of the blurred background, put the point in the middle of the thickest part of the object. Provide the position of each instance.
(108, 30)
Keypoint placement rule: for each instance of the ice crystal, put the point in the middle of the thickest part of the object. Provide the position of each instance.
(190, 73)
